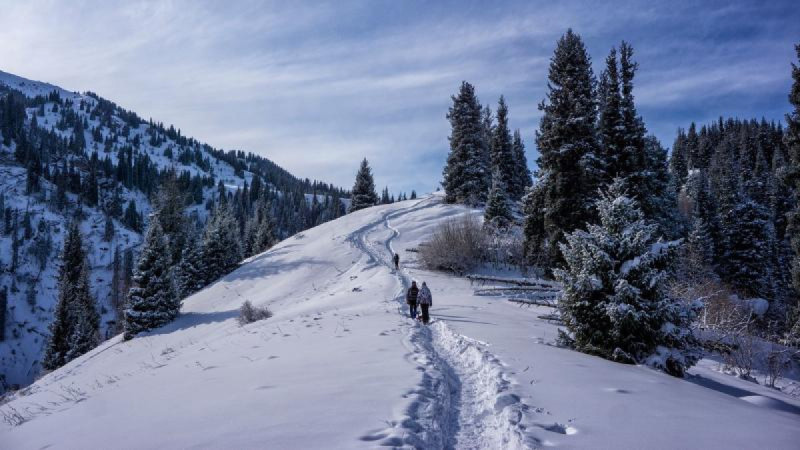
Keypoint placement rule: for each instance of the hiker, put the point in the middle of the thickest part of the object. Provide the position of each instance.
(396, 260)
(411, 299)
(425, 300)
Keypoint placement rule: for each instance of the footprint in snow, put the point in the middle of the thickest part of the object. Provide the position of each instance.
(617, 390)
(559, 428)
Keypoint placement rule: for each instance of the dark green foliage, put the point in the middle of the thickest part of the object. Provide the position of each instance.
(76, 322)
(363, 194)
(792, 176)
(221, 245)
(522, 175)
(497, 212)
(152, 301)
(502, 153)
(566, 140)
(748, 239)
(466, 175)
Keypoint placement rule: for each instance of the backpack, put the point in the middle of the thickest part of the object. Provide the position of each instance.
(424, 297)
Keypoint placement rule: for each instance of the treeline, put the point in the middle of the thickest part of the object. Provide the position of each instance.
(733, 190)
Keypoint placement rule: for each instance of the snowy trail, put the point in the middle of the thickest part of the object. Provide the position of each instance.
(464, 398)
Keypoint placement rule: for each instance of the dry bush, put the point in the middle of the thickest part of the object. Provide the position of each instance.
(505, 246)
(457, 245)
(728, 323)
(249, 313)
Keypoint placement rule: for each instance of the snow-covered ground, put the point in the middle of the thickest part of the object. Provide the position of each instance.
(341, 366)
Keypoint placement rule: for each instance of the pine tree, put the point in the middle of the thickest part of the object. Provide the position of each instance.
(678, 166)
(260, 235)
(76, 322)
(497, 212)
(502, 156)
(116, 289)
(522, 175)
(657, 197)
(748, 237)
(363, 194)
(169, 204)
(413, 194)
(152, 301)
(190, 276)
(221, 244)
(466, 174)
(792, 141)
(567, 145)
(615, 303)
(108, 229)
(610, 124)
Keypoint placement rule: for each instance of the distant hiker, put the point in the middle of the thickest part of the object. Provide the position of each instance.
(425, 300)
(411, 299)
(396, 260)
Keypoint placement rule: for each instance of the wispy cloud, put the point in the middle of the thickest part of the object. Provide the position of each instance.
(316, 87)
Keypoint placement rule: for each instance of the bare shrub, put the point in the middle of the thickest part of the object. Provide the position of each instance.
(249, 313)
(457, 245)
(505, 246)
(728, 323)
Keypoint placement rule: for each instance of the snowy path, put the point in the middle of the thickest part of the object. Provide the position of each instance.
(464, 399)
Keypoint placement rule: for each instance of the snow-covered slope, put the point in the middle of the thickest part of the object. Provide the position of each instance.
(341, 366)
(108, 133)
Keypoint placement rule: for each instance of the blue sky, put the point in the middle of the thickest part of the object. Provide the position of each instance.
(317, 86)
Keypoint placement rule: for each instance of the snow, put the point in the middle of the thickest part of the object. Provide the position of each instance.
(340, 365)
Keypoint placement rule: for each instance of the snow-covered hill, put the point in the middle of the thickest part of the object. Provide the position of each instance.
(341, 366)
(71, 135)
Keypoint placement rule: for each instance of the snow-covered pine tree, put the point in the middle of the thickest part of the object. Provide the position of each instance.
(497, 212)
(363, 194)
(152, 301)
(567, 142)
(522, 175)
(263, 236)
(502, 156)
(615, 303)
(466, 174)
(76, 322)
(221, 244)
(190, 275)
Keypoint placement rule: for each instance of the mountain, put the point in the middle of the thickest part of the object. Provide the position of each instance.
(340, 365)
(67, 156)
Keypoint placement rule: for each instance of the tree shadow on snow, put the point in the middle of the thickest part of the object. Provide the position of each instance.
(450, 318)
(192, 319)
(253, 270)
(771, 402)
